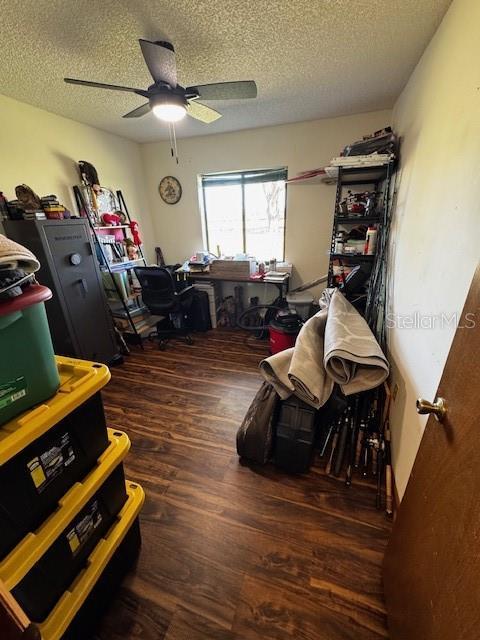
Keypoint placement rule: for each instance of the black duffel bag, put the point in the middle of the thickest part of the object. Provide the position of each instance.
(255, 434)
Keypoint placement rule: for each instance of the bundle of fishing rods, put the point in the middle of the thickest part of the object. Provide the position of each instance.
(357, 441)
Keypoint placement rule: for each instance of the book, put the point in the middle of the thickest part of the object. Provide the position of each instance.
(134, 312)
(372, 160)
(35, 215)
(276, 276)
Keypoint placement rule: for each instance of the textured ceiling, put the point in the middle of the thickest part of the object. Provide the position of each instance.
(310, 59)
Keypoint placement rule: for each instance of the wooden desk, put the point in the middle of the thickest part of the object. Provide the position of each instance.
(214, 276)
(243, 279)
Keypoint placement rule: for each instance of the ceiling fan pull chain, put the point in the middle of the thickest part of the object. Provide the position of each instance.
(175, 143)
(170, 137)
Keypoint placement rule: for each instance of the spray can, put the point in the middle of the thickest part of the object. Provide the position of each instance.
(339, 242)
(370, 241)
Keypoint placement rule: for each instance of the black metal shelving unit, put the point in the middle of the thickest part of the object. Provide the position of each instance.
(380, 179)
(134, 335)
(353, 257)
(355, 219)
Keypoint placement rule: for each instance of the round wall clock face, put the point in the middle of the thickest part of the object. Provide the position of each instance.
(170, 190)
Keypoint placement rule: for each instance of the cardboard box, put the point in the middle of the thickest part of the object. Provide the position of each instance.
(233, 268)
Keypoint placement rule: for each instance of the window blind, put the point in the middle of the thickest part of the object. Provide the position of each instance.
(243, 177)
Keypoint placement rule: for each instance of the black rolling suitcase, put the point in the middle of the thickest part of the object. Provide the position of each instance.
(199, 312)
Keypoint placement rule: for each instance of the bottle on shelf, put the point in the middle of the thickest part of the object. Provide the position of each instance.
(370, 241)
(340, 242)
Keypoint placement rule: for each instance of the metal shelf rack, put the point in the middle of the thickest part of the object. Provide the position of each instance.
(380, 179)
(112, 268)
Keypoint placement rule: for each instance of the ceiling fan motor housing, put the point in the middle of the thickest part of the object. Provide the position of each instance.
(166, 95)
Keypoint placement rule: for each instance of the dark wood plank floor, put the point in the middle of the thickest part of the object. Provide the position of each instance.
(230, 552)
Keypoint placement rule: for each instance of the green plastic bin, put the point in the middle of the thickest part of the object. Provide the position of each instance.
(28, 370)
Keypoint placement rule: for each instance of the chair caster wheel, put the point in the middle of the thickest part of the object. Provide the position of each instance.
(188, 340)
(162, 346)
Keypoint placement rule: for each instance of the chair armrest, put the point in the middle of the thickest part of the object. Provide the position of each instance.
(188, 290)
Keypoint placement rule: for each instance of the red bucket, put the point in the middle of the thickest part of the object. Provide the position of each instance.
(283, 331)
(279, 340)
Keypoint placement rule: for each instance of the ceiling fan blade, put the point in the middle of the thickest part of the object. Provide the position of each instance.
(201, 112)
(224, 90)
(138, 112)
(100, 85)
(160, 60)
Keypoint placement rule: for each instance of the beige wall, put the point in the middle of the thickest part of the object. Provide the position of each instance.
(437, 219)
(297, 146)
(435, 233)
(41, 149)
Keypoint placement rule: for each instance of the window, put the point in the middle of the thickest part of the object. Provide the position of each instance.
(244, 212)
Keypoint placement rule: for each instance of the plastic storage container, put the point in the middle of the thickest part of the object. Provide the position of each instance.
(86, 621)
(79, 380)
(42, 473)
(300, 302)
(295, 435)
(39, 591)
(92, 589)
(20, 560)
(28, 371)
(45, 451)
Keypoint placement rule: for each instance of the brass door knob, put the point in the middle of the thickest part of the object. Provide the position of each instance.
(438, 407)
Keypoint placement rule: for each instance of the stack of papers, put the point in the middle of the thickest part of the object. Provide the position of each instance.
(276, 276)
(371, 160)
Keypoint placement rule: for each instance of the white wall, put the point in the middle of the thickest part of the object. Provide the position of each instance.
(41, 149)
(437, 219)
(297, 146)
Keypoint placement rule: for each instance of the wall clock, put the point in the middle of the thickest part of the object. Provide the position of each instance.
(170, 190)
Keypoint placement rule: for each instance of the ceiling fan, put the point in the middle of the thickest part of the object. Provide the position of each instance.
(170, 101)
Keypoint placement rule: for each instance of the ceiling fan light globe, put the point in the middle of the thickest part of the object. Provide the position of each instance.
(169, 112)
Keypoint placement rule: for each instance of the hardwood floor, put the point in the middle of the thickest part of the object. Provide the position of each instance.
(232, 552)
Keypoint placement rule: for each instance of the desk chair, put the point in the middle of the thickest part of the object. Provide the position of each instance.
(161, 297)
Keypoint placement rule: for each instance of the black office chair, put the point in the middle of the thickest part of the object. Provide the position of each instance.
(160, 295)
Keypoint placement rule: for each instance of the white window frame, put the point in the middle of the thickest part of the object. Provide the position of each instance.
(238, 177)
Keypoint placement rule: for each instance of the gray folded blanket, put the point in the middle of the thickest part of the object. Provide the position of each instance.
(275, 371)
(352, 357)
(334, 346)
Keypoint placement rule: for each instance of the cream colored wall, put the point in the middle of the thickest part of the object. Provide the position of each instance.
(437, 219)
(41, 149)
(435, 246)
(297, 146)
